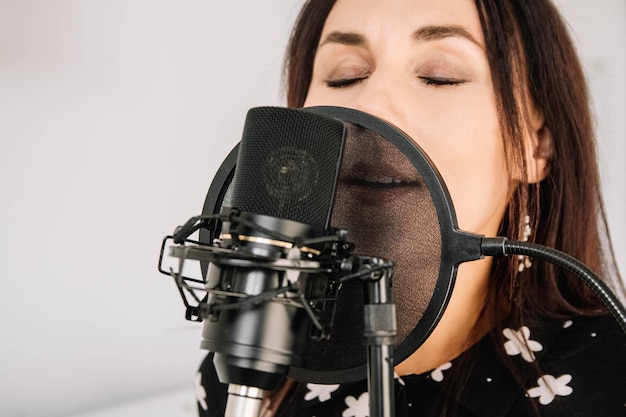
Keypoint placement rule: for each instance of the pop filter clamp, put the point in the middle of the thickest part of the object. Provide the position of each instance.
(456, 247)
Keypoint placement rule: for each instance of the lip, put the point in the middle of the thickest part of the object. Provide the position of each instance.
(379, 183)
(374, 171)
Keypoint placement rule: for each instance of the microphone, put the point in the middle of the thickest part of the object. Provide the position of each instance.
(276, 275)
(268, 276)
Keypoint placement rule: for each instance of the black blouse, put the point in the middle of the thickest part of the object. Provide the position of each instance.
(574, 368)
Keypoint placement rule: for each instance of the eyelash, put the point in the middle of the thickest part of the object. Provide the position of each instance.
(344, 82)
(441, 81)
(430, 81)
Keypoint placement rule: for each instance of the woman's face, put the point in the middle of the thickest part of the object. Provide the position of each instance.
(421, 65)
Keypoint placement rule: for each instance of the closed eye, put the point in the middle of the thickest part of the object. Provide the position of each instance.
(441, 81)
(344, 82)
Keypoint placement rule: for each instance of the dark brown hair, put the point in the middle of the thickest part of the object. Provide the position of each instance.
(532, 60)
(529, 51)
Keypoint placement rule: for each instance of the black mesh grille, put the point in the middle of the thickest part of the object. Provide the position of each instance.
(288, 165)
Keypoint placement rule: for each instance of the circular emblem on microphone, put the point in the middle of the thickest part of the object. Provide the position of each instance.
(290, 174)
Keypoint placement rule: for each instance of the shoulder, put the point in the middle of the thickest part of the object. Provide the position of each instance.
(581, 368)
(588, 346)
(551, 367)
(581, 335)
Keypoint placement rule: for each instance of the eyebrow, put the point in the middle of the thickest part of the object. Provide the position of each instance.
(433, 33)
(345, 38)
(426, 33)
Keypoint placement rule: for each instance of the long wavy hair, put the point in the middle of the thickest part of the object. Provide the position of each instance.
(532, 59)
(531, 56)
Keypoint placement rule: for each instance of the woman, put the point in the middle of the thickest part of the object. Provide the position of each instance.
(492, 90)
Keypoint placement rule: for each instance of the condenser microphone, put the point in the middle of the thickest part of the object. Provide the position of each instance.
(275, 239)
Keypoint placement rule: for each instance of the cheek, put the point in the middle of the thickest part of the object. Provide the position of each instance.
(480, 200)
(323, 96)
(468, 151)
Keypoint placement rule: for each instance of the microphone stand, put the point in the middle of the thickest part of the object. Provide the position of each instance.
(243, 401)
(380, 332)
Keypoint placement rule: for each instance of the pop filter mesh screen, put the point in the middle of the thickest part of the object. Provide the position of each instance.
(385, 206)
(380, 199)
(287, 165)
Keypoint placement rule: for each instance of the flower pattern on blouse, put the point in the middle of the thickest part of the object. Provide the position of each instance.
(319, 391)
(200, 392)
(398, 378)
(549, 387)
(357, 407)
(437, 374)
(519, 343)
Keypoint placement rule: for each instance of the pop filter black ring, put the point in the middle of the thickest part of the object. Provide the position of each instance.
(215, 196)
(456, 246)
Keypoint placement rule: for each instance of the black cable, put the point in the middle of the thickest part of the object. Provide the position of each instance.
(502, 246)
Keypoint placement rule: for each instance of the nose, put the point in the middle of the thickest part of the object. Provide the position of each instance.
(380, 96)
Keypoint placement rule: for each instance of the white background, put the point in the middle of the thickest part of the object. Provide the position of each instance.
(114, 116)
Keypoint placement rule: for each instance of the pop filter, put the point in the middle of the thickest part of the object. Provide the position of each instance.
(394, 205)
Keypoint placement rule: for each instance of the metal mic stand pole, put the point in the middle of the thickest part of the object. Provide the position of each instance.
(380, 333)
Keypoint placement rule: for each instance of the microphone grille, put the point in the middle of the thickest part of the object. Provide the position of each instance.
(288, 165)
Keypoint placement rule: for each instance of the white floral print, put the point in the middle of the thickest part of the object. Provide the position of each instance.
(319, 391)
(549, 387)
(437, 374)
(519, 343)
(200, 392)
(398, 378)
(357, 408)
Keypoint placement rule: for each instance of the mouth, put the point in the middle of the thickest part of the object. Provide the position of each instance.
(380, 175)
(374, 171)
(379, 183)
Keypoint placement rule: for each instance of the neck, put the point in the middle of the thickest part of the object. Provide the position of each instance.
(464, 322)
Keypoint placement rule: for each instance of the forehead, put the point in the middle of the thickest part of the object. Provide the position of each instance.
(401, 18)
